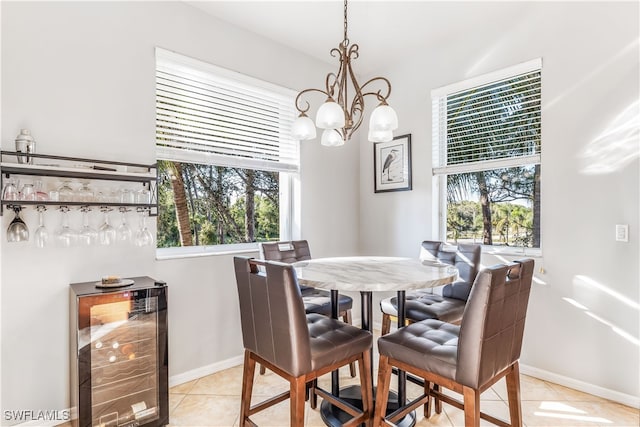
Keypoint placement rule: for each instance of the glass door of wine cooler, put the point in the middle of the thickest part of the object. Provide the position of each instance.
(122, 358)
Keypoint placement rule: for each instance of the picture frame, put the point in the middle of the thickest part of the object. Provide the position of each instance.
(392, 164)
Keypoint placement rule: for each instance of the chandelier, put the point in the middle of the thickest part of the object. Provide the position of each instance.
(341, 116)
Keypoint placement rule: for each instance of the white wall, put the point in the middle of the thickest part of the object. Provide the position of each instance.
(589, 77)
(80, 76)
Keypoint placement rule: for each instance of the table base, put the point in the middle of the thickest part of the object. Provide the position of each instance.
(334, 416)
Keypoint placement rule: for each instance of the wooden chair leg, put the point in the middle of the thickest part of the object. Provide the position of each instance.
(366, 385)
(471, 407)
(247, 386)
(313, 397)
(513, 394)
(346, 318)
(386, 324)
(382, 393)
(297, 401)
(427, 406)
(437, 403)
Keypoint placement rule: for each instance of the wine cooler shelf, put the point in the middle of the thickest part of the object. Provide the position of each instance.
(119, 362)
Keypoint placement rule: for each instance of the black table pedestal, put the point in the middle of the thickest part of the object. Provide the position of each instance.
(334, 416)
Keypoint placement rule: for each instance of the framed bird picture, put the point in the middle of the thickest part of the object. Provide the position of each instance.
(392, 164)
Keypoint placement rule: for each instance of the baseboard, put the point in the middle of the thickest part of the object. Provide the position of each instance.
(203, 371)
(605, 393)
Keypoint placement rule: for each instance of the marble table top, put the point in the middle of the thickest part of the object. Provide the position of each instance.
(373, 274)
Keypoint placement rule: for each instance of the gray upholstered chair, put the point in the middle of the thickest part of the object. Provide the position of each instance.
(315, 300)
(424, 304)
(299, 347)
(468, 358)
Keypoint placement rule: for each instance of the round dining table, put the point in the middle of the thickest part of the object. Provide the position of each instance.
(368, 274)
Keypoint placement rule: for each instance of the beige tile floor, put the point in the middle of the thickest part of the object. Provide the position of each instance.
(214, 400)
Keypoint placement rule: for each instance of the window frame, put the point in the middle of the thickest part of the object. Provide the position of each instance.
(289, 171)
(440, 173)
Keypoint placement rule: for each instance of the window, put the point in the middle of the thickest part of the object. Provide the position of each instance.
(226, 160)
(486, 157)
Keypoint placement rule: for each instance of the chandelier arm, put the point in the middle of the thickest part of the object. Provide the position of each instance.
(378, 93)
(357, 104)
(304, 110)
(331, 87)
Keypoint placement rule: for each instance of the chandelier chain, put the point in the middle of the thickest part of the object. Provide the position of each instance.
(345, 39)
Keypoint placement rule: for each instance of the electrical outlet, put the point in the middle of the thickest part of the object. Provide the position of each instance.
(622, 233)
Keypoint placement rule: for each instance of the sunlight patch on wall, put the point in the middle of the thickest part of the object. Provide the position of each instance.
(624, 334)
(616, 146)
(582, 281)
(630, 49)
(575, 303)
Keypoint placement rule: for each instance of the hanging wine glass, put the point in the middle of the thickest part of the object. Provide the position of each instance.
(41, 236)
(88, 235)
(65, 235)
(106, 233)
(143, 235)
(17, 231)
(123, 232)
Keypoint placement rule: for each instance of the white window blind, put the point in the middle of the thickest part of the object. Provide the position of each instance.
(207, 114)
(488, 122)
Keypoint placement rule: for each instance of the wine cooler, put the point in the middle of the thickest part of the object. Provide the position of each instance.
(119, 364)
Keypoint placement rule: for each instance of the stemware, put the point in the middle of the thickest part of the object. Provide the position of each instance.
(85, 193)
(65, 235)
(127, 196)
(123, 232)
(41, 195)
(143, 235)
(28, 192)
(143, 196)
(10, 191)
(41, 235)
(65, 192)
(88, 235)
(18, 230)
(106, 233)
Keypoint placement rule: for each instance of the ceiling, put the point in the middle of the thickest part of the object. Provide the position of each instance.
(387, 31)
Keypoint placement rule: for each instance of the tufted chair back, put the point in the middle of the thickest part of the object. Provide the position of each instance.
(274, 323)
(492, 328)
(286, 251)
(466, 259)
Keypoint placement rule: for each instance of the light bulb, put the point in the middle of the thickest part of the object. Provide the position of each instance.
(330, 115)
(303, 128)
(331, 138)
(383, 118)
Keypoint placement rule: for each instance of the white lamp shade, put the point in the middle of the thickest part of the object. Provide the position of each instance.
(331, 138)
(303, 129)
(330, 116)
(383, 118)
(380, 135)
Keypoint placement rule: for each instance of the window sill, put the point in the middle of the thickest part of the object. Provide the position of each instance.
(512, 251)
(163, 254)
